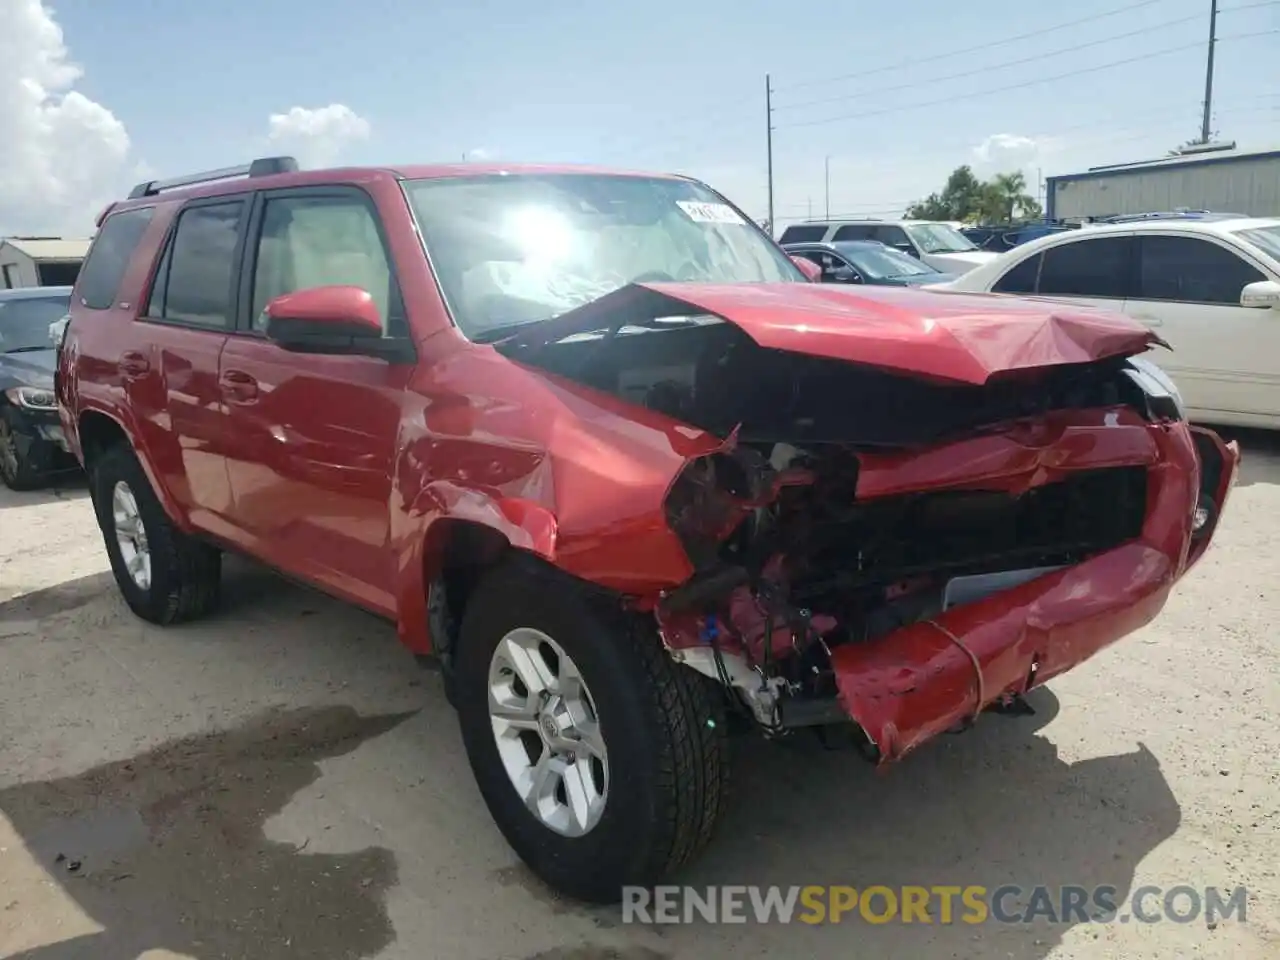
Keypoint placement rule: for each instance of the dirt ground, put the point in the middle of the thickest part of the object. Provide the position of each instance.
(281, 782)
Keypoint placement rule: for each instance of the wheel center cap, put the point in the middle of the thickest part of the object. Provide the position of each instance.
(549, 728)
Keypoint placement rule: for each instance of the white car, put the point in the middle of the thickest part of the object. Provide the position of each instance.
(938, 244)
(1210, 288)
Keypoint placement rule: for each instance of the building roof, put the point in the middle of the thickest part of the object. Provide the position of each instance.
(48, 248)
(1181, 162)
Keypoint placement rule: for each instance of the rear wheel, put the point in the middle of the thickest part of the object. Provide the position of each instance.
(602, 761)
(164, 575)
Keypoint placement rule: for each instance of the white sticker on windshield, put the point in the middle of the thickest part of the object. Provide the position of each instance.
(709, 212)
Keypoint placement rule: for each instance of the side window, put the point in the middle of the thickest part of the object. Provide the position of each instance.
(804, 233)
(109, 257)
(853, 231)
(313, 241)
(893, 236)
(1022, 278)
(1098, 267)
(1190, 270)
(194, 282)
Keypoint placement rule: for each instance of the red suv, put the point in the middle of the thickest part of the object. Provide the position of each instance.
(592, 442)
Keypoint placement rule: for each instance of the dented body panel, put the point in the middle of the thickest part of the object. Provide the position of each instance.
(773, 484)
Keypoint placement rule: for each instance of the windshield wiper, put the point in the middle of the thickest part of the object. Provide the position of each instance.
(501, 331)
(27, 349)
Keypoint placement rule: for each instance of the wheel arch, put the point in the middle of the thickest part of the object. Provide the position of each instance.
(98, 431)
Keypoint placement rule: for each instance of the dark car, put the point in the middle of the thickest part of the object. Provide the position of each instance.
(867, 261)
(31, 440)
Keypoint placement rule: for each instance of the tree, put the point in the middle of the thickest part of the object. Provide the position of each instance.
(965, 197)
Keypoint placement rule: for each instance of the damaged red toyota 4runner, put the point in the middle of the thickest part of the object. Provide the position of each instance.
(601, 452)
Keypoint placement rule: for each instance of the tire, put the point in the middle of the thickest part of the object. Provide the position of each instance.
(185, 573)
(24, 459)
(661, 725)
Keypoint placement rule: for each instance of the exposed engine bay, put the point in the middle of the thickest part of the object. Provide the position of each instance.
(791, 561)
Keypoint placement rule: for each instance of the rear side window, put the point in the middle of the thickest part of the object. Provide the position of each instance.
(1022, 278)
(109, 257)
(803, 234)
(1189, 270)
(853, 232)
(194, 282)
(1098, 267)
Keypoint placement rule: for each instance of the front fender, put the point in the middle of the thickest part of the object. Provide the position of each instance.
(422, 534)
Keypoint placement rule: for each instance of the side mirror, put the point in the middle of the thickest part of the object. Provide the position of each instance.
(1261, 294)
(808, 268)
(331, 319)
(844, 275)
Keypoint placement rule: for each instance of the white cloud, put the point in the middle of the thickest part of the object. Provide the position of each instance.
(318, 137)
(1007, 152)
(62, 156)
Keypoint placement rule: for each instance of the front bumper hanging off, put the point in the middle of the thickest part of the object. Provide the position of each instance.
(910, 685)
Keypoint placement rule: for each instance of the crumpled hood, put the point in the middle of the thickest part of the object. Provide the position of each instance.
(945, 335)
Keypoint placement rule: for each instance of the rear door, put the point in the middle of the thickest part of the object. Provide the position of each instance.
(316, 435)
(1226, 358)
(1093, 271)
(170, 371)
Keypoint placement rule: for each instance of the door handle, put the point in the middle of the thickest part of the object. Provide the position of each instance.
(238, 385)
(133, 364)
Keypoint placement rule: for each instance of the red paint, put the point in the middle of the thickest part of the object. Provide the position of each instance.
(357, 474)
(963, 337)
(339, 308)
(808, 268)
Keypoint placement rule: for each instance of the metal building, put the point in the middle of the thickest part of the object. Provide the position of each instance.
(1227, 181)
(40, 261)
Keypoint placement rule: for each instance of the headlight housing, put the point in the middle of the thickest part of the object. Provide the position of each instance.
(32, 398)
(1163, 396)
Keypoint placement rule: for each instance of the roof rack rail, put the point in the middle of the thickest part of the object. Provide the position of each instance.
(262, 167)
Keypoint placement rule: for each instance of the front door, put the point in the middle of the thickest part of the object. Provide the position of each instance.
(1225, 358)
(316, 435)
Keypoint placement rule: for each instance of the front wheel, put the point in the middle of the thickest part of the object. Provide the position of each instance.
(164, 575)
(602, 761)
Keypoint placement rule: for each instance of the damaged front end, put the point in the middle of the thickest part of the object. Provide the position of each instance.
(889, 554)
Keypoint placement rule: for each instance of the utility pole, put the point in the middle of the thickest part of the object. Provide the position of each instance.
(768, 116)
(1208, 71)
(810, 201)
(826, 170)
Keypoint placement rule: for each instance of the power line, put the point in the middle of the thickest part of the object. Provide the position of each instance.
(1019, 86)
(916, 61)
(994, 66)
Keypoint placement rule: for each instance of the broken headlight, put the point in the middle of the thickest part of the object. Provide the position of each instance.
(711, 497)
(1164, 400)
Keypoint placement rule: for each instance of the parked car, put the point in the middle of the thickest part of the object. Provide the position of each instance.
(998, 238)
(1210, 287)
(866, 261)
(596, 447)
(32, 447)
(939, 245)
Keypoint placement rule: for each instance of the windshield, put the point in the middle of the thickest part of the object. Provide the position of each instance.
(884, 262)
(939, 238)
(24, 322)
(1266, 238)
(515, 249)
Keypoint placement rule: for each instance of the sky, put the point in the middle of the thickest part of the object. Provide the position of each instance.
(873, 104)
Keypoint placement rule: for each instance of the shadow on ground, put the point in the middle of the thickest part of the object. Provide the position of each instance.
(59, 598)
(167, 850)
(993, 807)
(68, 486)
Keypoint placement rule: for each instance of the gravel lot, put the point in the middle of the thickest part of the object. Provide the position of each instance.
(281, 781)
